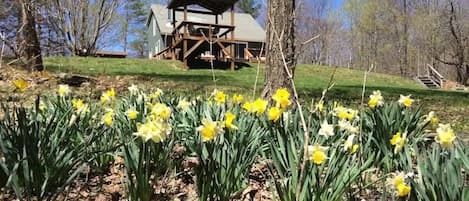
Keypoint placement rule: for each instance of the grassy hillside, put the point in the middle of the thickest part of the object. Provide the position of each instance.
(310, 80)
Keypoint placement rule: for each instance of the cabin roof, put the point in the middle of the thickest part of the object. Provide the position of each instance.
(216, 6)
(247, 28)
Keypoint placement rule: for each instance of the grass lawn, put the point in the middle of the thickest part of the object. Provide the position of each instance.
(453, 106)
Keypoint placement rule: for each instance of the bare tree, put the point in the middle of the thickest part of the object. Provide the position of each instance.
(280, 47)
(29, 46)
(81, 23)
(458, 45)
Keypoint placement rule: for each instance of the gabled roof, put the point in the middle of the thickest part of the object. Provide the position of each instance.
(216, 6)
(247, 28)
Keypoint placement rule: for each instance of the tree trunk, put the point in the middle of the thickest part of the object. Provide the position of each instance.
(29, 46)
(280, 46)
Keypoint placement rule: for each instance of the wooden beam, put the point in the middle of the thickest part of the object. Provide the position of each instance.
(189, 52)
(184, 50)
(196, 11)
(232, 39)
(223, 49)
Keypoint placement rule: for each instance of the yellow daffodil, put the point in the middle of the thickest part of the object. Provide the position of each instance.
(108, 117)
(229, 117)
(160, 110)
(445, 135)
(317, 154)
(108, 96)
(155, 95)
(79, 106)
(319, 106)
(432, 118)
(399, 185)
(63, 90)
(259, 106)
(238, 98)
(132, 114)
(398, 140)
(344, 113)
(209, 130)
(376, 100)
(326, 129)
(274, 113)
(42, 107)
(405, 101)
(20, 85)
(354, 148)
(157, 131)
(248, 107)
(77, 103)
(282, 98)
(184, 104)
(219, 97)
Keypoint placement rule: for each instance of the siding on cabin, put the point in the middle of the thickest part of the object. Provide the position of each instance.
(155, 41)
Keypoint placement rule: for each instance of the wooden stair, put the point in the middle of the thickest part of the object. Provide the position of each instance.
(432, 78)
(428, 82)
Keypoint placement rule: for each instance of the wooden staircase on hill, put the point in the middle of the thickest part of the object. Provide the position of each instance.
(432, 78)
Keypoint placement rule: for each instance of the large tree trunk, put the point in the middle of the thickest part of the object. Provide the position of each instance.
(29, 46)
(280, 45)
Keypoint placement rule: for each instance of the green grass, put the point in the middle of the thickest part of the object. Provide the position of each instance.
(310, 81)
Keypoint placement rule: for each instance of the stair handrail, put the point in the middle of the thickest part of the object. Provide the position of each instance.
(435, 75)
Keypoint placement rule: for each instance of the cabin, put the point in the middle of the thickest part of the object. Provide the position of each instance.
(203, 30)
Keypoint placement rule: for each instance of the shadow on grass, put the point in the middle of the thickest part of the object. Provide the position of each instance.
(354, 93)
(218, 65)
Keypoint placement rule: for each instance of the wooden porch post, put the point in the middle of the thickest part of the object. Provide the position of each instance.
(184, 48)
(173, 51)
(232, 40)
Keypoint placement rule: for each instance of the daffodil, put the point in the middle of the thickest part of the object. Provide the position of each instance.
(79, 106)
(348, 127)
(132, 114)
(432, 118)
(319, 106)
(20, 85)
(344, 113)
(399, 185)
(108, 96)
(42, 106)
(317, 154)
(229, 117)
(63, 90)
(282, 98)
(248, 107)
(209, 130)
(238, 98)
(157, 131)
(348, 144)
(398, 140)
(133, 89)
(160, 110)
(354, 148)
(274, 113)
(445, 135)
(405, 101)
(326, 129)
(184, 104)
(108, 117)
(155, 95)
(376, 100)
(259, 106)
(219, 97)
